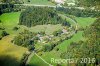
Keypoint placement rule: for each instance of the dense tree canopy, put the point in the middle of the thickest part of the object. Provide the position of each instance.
(38, 16)
(25, 39)
(79, 12)
(11, 1)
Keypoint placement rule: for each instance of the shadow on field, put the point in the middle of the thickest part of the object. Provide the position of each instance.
(8, 61)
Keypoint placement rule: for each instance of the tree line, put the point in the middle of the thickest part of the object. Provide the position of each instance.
(12, 1)
(79, 12)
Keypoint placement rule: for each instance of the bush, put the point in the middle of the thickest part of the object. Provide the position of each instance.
(0, 37)
(47, 47)
(4, 33)
(31, 47)
(15, 28)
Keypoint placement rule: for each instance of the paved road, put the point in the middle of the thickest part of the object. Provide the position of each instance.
(48, 6)
(53, 6)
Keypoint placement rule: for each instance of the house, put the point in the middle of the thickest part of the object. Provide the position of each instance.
(64, 31)
(59, 1)
(44, 39)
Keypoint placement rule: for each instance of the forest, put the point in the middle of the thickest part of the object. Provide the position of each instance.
(79, 12)
(35, 17)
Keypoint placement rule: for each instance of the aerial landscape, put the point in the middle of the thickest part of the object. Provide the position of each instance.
(49, 32)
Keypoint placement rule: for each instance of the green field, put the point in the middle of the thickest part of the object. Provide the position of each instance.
(36, 62)
(83, 22)
(39, 2)
(9, 20)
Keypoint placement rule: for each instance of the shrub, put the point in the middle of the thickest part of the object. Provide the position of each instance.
(4, 33)
(15, 28)
(47, 47)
